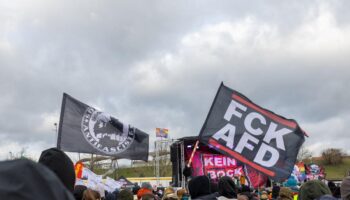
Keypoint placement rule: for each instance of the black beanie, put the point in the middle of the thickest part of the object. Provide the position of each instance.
(79, 191)
(199, 186)
(61, 165)
(227, 187)
(25, 180)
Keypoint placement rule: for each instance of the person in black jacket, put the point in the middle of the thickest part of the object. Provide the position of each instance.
(61, 165)
(199, 188)
(25, 180)
(227, 188)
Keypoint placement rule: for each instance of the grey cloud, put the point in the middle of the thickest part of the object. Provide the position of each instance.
(102, 53)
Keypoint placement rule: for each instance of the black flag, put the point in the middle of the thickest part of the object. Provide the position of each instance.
(237, 127)
(85, 129)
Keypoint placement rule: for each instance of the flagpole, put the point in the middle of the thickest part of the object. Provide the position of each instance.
(259, 185)
(194, 151)
(56, 131)
(92, 162)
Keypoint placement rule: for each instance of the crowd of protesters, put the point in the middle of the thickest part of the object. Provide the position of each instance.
(53, 178)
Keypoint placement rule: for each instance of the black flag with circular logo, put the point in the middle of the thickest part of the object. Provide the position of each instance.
(85, 129)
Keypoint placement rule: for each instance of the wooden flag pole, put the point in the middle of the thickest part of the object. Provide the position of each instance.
(259, 195)
(194, 151)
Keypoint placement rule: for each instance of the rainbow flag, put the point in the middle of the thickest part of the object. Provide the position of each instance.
(162, 132)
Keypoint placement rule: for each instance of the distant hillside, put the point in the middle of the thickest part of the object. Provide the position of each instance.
(337, 172)
(145, 171)
(334, 172)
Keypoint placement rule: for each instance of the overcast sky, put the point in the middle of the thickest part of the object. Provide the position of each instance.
(159, 64)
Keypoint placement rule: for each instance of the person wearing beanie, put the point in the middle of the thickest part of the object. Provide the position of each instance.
(313, 189)
(285, 193)
(227, 188)
(61, 165)
(78, 191)
(146, 188)
(125, 195)
(25, 180)
(199, 188)
(345, 188)
(110, 196)
(90, 194)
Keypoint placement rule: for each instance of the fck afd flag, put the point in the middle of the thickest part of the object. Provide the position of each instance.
(85, 129)
(237, 127)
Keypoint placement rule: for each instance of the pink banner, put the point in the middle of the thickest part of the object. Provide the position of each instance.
(204, 162)
(219, 165)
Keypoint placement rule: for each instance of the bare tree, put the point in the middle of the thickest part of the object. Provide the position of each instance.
(304, 154)
(22, 153)
(333, 156)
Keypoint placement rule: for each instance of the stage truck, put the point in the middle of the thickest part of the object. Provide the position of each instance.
(206, 161)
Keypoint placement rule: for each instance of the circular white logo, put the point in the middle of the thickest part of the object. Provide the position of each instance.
(105, 133)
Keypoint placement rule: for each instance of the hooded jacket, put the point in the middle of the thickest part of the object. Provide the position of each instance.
(313, 189)
(227, 187)
(199, 188)
(61, 165)
(25, 180)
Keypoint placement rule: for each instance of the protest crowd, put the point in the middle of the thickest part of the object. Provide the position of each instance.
(238, 131)
(53, 177)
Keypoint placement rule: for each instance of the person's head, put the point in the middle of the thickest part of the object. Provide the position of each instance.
(116, 192)
(264, 195)
(146, 185)
(146, 188)
(313, 189)
(285, 193)
(79, 191)
(242, 196)
(24, 179)
(331, 185)
(61, 165)
(213, 186)
(148, 197)
(110, 196)
(245, 188)
(275, 191)
(90, 194)
(180, 192)
(125, 195)
(100, 189)
(345, 188)
(170, 197)
(227, 187)
(199, 186)
(336, 192)
(169, 190)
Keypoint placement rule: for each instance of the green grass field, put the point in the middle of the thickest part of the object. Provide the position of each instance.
(336, 172)
(333, 172)
(145, 171)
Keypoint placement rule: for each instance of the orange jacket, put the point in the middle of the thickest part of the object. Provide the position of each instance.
(142, 192)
